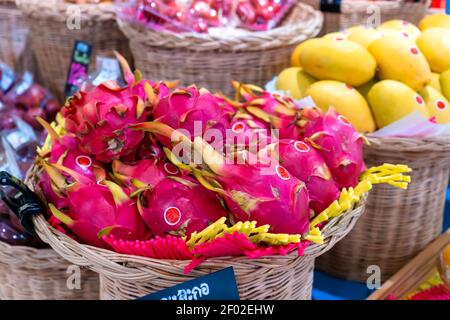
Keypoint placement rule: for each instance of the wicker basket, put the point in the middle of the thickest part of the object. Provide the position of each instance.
(213, 61)
(130, 277)
(40, 274)
(365, 12)
(398, 224)
(53, 41)
(13, 33)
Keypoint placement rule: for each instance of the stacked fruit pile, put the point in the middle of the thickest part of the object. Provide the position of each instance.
(114, 179)
(376, 76)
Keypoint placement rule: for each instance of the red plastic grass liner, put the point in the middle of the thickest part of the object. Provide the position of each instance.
(439, 292)
(169, 247)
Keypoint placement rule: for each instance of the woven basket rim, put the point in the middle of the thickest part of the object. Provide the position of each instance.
(107, 261)
(385, 5)
(440, 145)
(58, 10)
(44, 258)
(360, 6)
(291, 31)
(100, 259)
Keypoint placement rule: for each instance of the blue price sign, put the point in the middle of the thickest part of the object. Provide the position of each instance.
(220, 285)
(78, 70)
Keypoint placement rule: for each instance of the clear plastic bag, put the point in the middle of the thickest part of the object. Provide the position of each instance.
(200, 15)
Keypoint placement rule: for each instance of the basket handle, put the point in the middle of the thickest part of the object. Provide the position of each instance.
(24, 203)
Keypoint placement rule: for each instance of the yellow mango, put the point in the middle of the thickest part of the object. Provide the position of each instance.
(399, 59)
(294, 81)
(435, 45)
(341, 35)
(397, 34)
(444, 81)
(345, 99)
(439, 20)
(437, 104)
(392, 100)
(402, 26)
(295, 56)
(435, 81)
(340, 60)
(362, 35)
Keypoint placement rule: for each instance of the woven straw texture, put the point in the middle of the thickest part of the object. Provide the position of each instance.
(53, 40)
(40, 274)
(398, 223)
(125, 277)
(367, 13)
(213, 61)
(13, 32)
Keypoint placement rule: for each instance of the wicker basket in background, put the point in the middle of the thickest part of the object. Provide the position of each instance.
(130, 277)
(397, 224)
(41, 274)
(13, 33)
(53, 41)
(363, 12)
(213, 61)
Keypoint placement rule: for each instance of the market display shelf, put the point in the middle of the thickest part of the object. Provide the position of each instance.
(327, 287)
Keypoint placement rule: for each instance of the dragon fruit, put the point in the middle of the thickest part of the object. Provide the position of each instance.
(248, 132)
(64, 151)
(339, 144)
(100, 117)
(305, 163)
(253, 190)
(194, 111)
(280, 112)
(179, 206)
(144, 173)
(96, 209)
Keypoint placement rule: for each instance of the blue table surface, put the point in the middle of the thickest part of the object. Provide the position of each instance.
(327, 287)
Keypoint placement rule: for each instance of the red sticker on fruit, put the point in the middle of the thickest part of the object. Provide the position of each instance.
(344, 120)
(301, 146)
(101, 183)
(419, 100)
(414, 51)
(441, 105)
(83, 161)
(238, 127)
(172, 216)
(170, 168)
(283, 173)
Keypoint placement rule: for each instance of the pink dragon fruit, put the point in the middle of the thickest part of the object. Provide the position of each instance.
(305, 163)
(144, 173)
(248, 132)
(148, 148)
(100, 116)
(337, 142)
(193, 110)
(64, 150)
(179, 206)
(281, 112)
(96, 209)
(254, 190)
